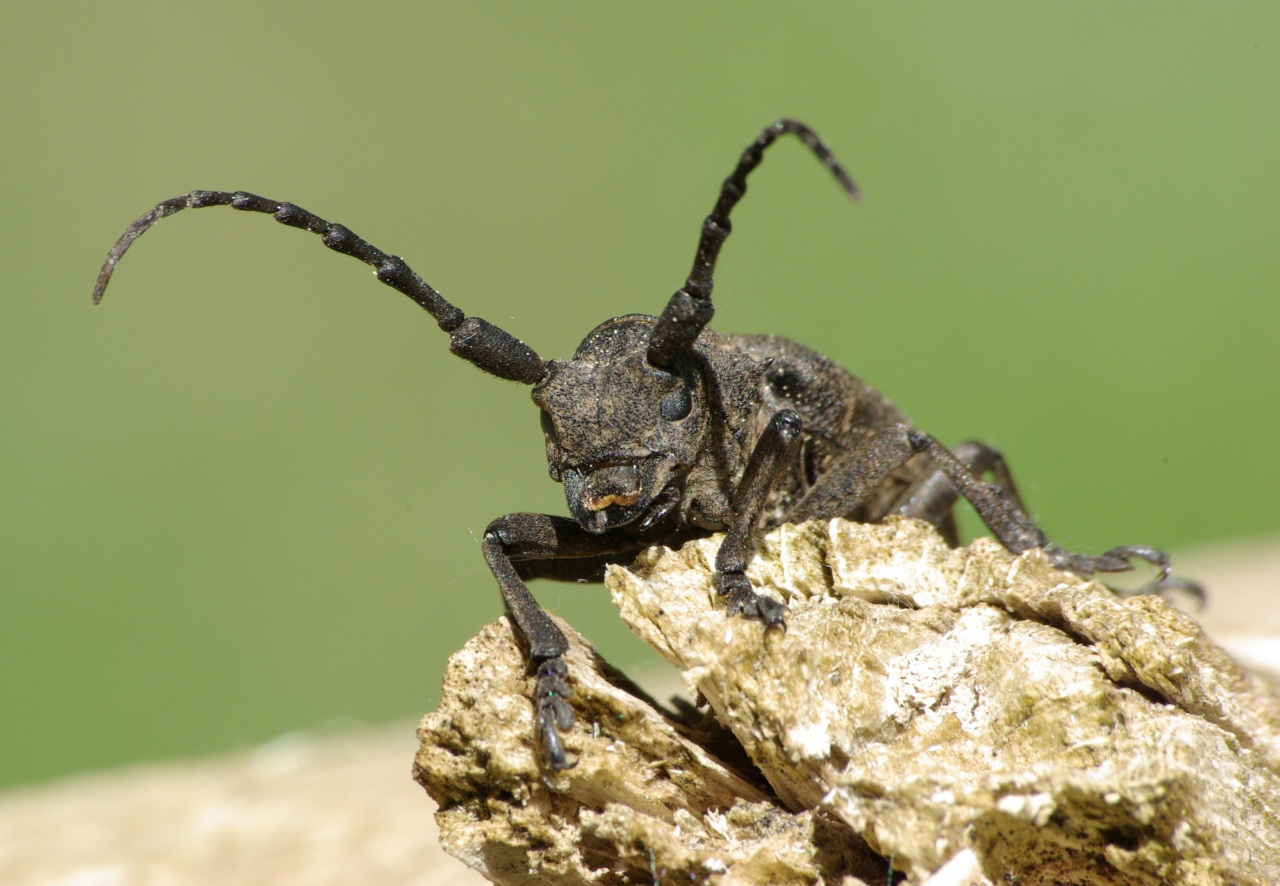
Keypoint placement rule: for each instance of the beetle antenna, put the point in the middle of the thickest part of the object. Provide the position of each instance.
(478, 341)
(690, 309)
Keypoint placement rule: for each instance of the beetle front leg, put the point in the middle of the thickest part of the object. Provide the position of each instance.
(517, 537)
(774, 450)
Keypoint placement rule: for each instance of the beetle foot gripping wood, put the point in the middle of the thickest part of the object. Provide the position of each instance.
(927, 708)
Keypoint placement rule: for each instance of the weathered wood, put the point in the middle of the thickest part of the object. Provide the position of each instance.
(924, 704)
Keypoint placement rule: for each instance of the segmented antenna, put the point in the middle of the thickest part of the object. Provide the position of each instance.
(472, 338)
(690, 309)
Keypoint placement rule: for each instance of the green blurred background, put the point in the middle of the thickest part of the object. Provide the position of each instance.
(243, 496)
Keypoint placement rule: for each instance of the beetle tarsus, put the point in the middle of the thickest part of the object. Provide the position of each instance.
(743, 600)
(552, 713)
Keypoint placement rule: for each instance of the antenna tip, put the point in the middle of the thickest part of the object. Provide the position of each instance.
(104, 277)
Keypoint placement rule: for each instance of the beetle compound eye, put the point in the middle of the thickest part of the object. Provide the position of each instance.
(675, 405)
(547, 427)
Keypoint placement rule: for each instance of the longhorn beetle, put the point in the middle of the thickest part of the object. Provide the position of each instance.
(662, 431)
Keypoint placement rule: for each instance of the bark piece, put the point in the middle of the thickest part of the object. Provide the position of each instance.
(645, 801)
(929, 703)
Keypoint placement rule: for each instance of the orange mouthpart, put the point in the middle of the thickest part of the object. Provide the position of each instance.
(624, 499)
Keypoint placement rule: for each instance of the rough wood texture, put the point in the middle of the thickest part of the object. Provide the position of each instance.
(925, 706)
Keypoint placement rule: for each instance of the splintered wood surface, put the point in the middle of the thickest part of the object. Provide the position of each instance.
(344, 809)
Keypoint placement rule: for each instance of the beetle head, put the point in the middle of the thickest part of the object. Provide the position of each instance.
(619, 431)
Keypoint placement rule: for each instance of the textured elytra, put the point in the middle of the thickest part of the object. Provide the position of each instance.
(924, 703)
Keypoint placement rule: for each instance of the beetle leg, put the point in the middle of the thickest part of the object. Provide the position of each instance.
(854, 477)
(932, 496)
(1002, 510)
(774, 450)
(532, 537)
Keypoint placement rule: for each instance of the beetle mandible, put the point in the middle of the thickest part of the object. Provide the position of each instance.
(662, 431)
